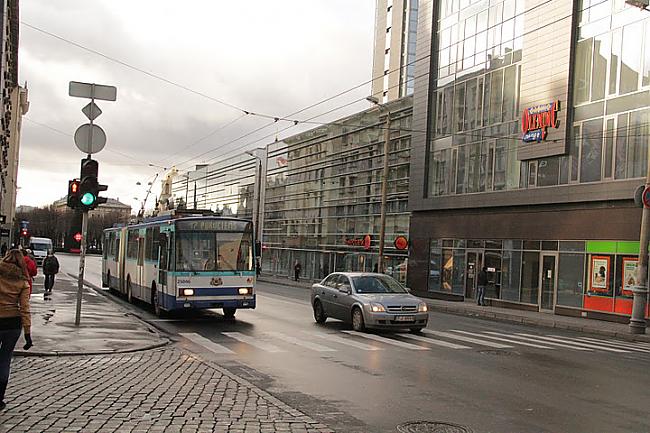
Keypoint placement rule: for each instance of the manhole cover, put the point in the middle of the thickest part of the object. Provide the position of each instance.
(432, 427)
(497, 352)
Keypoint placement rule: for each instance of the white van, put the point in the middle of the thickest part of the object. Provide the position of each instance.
(40, 247)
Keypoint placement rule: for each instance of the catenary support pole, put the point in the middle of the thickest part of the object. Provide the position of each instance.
(384, 193)
(82, 266)
(640, 291)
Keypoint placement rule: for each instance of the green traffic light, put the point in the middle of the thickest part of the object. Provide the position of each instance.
(88, 199)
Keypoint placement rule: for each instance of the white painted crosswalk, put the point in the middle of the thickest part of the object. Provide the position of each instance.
(324, 341)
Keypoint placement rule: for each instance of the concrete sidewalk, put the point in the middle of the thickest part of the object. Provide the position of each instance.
(105, 326)
(533, 318)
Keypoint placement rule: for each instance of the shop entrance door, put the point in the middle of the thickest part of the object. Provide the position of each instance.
(548, 282)
(474, 261)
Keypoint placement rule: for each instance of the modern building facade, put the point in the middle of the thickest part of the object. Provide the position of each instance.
(393, 68)
(536, 119)
(321, 197)
(14, 106)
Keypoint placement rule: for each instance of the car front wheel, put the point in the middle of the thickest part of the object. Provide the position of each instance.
(357, 320)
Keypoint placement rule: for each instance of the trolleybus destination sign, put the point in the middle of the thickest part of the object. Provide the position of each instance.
(535, 121)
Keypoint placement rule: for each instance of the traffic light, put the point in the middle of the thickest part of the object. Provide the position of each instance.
(24, 233)
(73, 193)
(89, 188)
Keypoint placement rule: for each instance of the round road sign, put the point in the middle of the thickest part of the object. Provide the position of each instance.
(89, 142)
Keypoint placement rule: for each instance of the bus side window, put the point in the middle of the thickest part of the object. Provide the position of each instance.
(164, 251)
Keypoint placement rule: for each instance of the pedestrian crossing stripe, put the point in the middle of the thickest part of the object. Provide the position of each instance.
(590, 345)
(434, 341)
(298, 342)
(467, 339)
(344, 341)
(268, 347)
(505, 340)
(387, 340)
(208, 344)
(350, 338)
(534, 339)
(614, 343)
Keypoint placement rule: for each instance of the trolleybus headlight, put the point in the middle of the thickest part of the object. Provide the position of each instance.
(188, 292)
(244, 291)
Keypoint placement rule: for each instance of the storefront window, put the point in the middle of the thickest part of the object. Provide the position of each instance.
(600, 280)
(510, 275)
(570, 277)
(626, 275)
(530, 278)
(435, 259)
(458, 284)
(492, 260)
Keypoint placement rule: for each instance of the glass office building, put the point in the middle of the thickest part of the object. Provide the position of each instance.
(537, 120)
(322, 197)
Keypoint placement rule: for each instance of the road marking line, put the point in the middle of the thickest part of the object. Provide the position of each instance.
(614, 344)
(536, 340)
(467, 339)
(397, 343)
(506, 340)
(298, 342)
(208, 344)
(344, 341)
(561, 338)
(268, 347)
(434, 341)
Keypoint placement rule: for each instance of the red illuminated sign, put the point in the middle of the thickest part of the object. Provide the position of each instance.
(77, 237)
(401, 243)
(535, 121)
(364, 242)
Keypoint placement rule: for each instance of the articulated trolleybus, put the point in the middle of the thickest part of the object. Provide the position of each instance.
(183, 262)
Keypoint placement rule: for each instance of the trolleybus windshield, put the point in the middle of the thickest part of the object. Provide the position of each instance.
(205, 251)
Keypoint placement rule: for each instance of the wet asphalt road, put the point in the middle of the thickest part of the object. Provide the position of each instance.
(546, 381)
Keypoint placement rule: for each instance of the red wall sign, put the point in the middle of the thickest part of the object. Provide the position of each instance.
(364, 242)
(535, 120)
(401, 243)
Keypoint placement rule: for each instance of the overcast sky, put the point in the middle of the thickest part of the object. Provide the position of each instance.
(272, 57)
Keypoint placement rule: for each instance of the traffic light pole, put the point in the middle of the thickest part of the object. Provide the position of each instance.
(82, 266)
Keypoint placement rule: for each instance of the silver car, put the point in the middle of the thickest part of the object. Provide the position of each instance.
(368, 301)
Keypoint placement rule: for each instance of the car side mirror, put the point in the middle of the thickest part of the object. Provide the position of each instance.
(408, 289)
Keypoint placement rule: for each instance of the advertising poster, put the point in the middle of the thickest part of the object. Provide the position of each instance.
(629, 275)
(599, 281)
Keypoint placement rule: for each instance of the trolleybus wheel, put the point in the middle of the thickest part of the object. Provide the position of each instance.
(229, 313)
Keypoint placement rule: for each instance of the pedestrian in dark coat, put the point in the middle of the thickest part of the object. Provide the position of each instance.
(297, 267)
(32, 269)
(50, 269)
(482, 284)
(14, 313)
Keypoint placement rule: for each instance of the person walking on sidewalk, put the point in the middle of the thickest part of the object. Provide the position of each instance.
(14, 313)
(297, 267)
(50, 269)
(482, 284)
(32, 270)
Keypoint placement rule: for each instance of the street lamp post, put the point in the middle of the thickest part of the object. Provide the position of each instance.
(640, 290)
(384, 187)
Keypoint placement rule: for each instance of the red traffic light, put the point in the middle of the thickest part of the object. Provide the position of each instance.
(77, 237)
(401, 243)
(24, 232)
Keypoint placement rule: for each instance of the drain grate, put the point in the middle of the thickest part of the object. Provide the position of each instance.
(431, 427)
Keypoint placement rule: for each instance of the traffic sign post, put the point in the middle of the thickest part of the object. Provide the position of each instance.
(89, 138)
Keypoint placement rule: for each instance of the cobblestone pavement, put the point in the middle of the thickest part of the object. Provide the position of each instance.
(162, 390)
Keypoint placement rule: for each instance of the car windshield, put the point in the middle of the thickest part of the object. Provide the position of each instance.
(40, 247)
(377, 284)
(214, 251)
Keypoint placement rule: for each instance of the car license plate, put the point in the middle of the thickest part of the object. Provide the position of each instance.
(404, 318)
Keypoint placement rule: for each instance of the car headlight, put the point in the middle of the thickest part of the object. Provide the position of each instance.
(245, 291)
(188, 292)
(422, 308)
(377, 308)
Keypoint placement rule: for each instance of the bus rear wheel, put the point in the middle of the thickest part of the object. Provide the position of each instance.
(229, 313)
